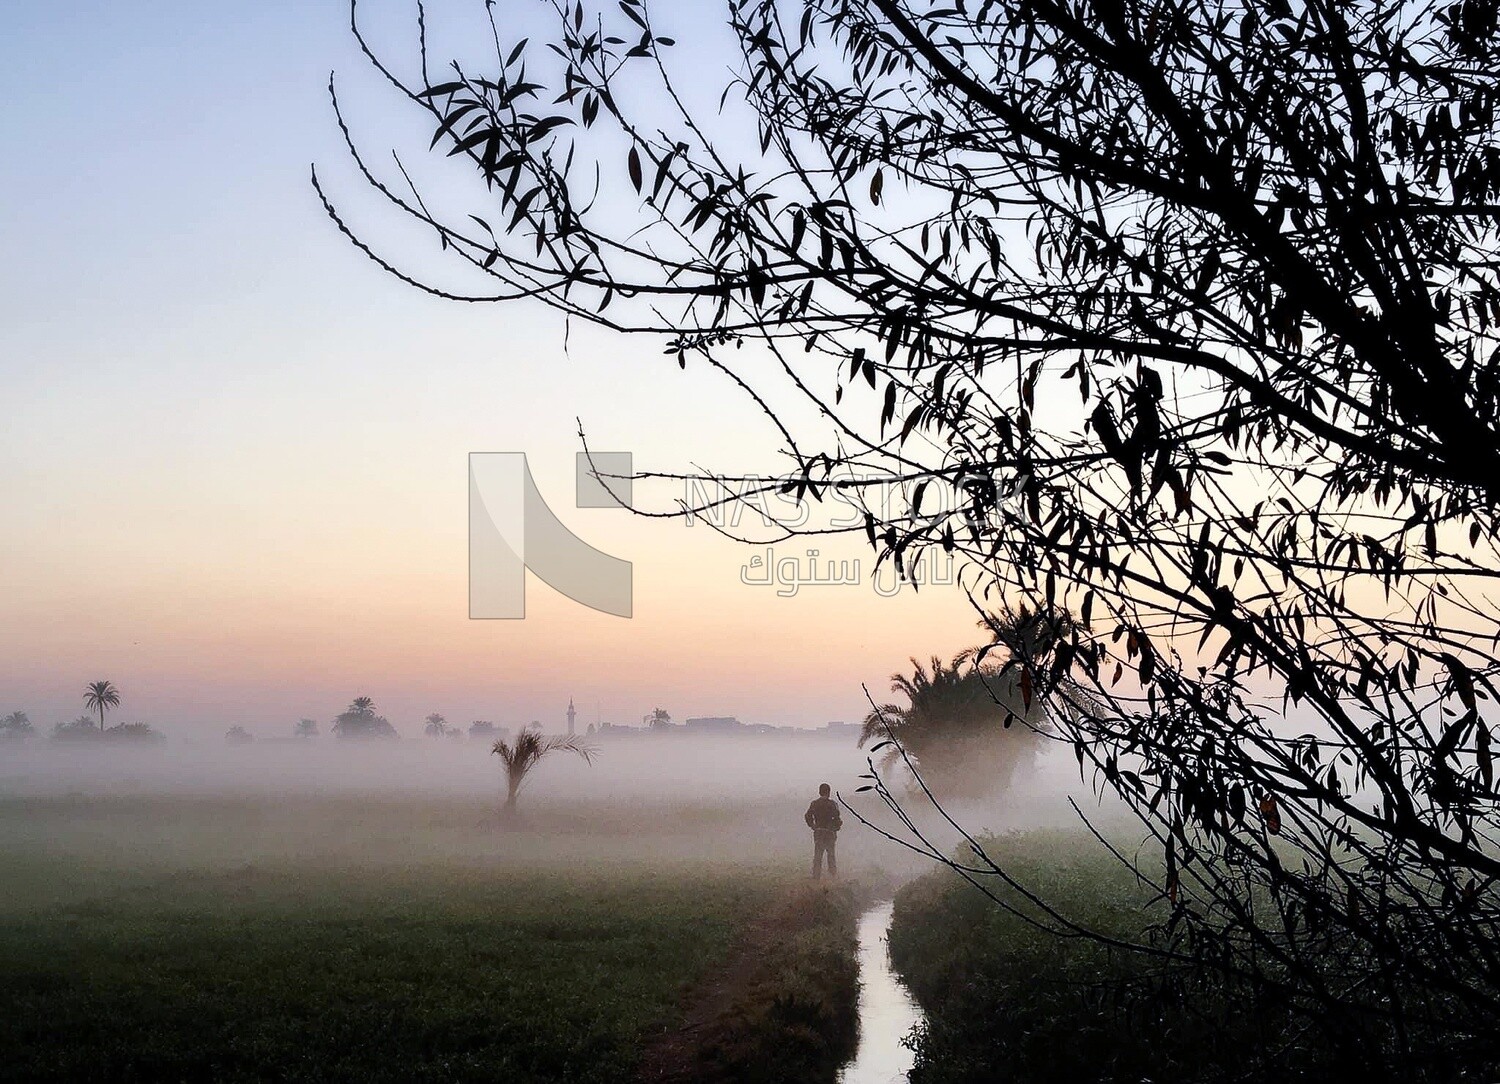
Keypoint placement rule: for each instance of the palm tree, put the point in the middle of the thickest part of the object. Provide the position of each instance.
(955, 726)
(16, 725)
(969, 724)
(100, 696)
(437, 726)
(523, 754)
(306, 728)
(360, 721)
(659, 718)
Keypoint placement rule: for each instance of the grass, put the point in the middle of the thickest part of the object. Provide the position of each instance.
(1003, 998)
(1006, 1001)
(162, 939)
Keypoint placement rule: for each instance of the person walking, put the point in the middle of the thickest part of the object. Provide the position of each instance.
(824, 819)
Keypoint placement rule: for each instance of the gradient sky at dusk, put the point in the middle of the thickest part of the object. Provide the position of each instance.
(234, 452)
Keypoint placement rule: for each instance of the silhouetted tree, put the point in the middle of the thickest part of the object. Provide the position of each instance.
(100, 696)
(360, 721)
(524, 753)
(1188, 312)
(964, 724)
(437, 726)
(16, 727)
(306, 728)
(659, 718)
(238, 735)
(83, 729)
(969, 725)
(135, 733)
(79, 729)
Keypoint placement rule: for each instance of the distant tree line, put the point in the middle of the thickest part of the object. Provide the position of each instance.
(99, 697)
(359, 721)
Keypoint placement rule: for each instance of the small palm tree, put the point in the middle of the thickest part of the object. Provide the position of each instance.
(525, 753)
(362, 705)
(307, 728)
(100, 696)
(437, 726)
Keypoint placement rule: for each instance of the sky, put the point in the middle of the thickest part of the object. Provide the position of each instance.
(234, 458)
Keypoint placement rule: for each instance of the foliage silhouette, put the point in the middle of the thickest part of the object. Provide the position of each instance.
(100, 696)
(360, 722)
(958, 724)
(1190, 311)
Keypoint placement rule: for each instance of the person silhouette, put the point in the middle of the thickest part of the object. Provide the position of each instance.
(824, 819)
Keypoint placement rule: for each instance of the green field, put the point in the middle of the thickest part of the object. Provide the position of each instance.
(1000, 993)
(361, 939)
(1005, 1000)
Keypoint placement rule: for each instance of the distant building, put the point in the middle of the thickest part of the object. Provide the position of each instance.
(715, 724)
(620, 728)
(572, 714)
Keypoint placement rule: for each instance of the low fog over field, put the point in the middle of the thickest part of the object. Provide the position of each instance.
(634, 767)
(644, 766)
(684, 796)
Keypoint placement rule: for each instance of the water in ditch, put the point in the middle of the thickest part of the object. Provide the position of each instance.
(887, 1012)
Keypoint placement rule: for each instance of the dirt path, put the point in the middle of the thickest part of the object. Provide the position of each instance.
(784, 1006)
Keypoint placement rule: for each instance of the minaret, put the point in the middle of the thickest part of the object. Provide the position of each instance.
(572, 714)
